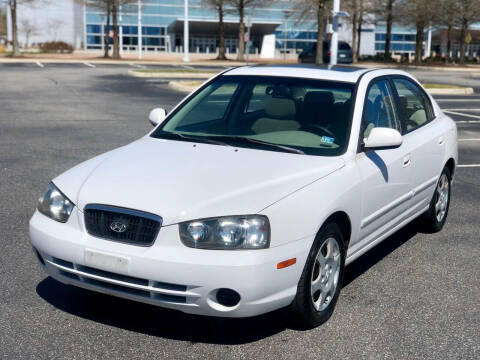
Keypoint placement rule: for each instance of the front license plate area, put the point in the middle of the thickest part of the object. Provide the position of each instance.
(107, 262)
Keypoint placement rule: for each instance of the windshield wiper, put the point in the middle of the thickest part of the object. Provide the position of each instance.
(244, 139)
(200, 139)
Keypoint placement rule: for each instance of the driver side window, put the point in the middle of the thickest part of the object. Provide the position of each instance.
(379, 108)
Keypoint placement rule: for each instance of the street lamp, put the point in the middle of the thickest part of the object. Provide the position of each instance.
(140, 29)
(334, 41)
(185, 33)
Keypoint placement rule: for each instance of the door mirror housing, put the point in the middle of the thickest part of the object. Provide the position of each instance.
(157, 115)
(381, 138)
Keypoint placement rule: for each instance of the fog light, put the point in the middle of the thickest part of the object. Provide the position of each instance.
(228, 297)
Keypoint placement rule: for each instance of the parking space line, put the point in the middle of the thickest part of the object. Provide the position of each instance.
(468, 139)
(461, 114)
(463, 109)
(468, 165)
(137, 65)
(467, 121)
(187, 67)
(88, 64)
(40, 64)
(458, 100)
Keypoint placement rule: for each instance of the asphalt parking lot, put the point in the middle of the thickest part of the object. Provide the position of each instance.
(414, 296)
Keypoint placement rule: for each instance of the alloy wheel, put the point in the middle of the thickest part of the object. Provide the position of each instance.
(326, 271)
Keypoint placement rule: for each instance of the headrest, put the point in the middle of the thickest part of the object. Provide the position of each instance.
(319, 97)
(280, 108)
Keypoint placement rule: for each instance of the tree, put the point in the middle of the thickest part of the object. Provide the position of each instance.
(352, 6)
(29, 29)
(386, 11)
(469, 12)
(316, 10)
(3, 22)
(13, 5)
(105, 6)
(54, 26)
(240, 6)
(419, 13)
(219, 6)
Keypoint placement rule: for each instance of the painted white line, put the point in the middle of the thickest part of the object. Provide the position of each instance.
(463, 109)
(458, 100)
(188, 67)
(40, 64)
(467, 122)
(88, 64)
(137, 66)
(468, 139)
(469, 165)
(461, 114)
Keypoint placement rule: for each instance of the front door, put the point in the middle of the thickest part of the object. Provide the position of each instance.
(386, 174)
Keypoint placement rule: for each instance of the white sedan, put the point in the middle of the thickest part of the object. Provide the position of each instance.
(253, 193)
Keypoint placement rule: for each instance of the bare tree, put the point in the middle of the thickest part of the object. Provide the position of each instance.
(316, 10)
(219, 6)
(240, 6)
(3, 22)
(13, 5)
(419, 13)
(54, 26)
(353, 7)
(469, 13)
(29, 29)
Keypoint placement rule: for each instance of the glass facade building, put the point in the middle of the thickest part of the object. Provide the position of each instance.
(162, 27)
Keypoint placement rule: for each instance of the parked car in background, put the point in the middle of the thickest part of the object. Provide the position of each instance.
(345, 55)
(253, 193)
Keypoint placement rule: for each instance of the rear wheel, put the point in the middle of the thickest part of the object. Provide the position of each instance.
(321, 280)
(436, 215)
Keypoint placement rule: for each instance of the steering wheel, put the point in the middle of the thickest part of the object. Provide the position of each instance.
(317, 130)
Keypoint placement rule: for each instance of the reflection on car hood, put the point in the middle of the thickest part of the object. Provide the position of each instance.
(181, 181)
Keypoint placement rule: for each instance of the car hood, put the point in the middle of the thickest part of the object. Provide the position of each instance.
(182, 181)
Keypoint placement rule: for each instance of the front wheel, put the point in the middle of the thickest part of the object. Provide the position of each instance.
(436, 215)
(321, 280)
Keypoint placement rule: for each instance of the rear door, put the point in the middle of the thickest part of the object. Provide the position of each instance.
(386, 174)
(424, 135)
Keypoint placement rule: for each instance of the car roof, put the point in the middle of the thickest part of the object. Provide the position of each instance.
(349, 74)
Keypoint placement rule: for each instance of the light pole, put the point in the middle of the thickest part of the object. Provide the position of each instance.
(140, 29)
(185, 33)
(334, 40)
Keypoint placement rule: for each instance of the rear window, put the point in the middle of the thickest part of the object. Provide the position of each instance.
(343, 46)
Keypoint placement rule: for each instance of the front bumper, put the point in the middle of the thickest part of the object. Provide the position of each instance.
(168, 274)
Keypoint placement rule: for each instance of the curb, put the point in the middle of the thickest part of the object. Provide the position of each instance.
(451, 91)
(182, 87)
(171, 75)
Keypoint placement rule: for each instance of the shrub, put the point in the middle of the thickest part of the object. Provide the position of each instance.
(56, 47)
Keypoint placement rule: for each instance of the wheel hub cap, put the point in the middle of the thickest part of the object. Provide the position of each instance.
(325, 274)
(442, 197)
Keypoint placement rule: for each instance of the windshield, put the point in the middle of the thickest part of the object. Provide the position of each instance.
(268, 113)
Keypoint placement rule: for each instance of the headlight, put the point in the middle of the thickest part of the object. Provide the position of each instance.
(227, 233)
(54, 204)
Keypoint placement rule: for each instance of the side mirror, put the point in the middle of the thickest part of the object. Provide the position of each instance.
(382, 138)
(157, 115)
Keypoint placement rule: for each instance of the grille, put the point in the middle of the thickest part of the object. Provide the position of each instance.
(123, 225)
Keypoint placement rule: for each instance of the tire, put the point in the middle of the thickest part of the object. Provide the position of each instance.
(434, 218)
(307, 310)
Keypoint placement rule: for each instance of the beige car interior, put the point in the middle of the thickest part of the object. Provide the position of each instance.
(280, 115)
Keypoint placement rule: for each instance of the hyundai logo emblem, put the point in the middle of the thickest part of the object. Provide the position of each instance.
(118, 226)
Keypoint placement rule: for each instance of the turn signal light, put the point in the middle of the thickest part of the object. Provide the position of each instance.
(286, 263)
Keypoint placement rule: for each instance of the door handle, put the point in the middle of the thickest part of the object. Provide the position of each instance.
(441, 140)
(407, 160)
